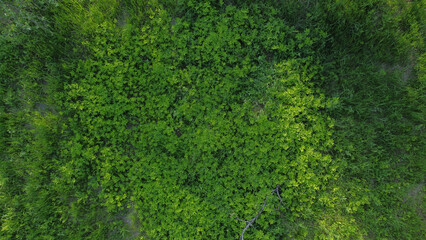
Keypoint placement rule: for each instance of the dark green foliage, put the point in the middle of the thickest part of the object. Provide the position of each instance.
(35, 203)
(166, 119)
(380, 120)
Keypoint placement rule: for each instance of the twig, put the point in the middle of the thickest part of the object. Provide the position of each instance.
(250, 223)
(279, 196)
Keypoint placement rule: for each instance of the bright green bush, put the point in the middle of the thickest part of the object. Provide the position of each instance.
(192, 121)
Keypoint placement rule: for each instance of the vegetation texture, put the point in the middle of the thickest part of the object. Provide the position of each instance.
(161, 119)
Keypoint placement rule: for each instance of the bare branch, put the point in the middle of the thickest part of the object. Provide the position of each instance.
(250, 223)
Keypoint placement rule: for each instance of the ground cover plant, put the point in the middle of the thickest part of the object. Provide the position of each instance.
(127, 119)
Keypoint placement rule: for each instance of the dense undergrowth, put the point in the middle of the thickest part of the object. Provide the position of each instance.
(167, 119)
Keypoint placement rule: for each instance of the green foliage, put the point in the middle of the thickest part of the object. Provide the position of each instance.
(191, 135)
(35, 203)
(379, 124)
(166, 119)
